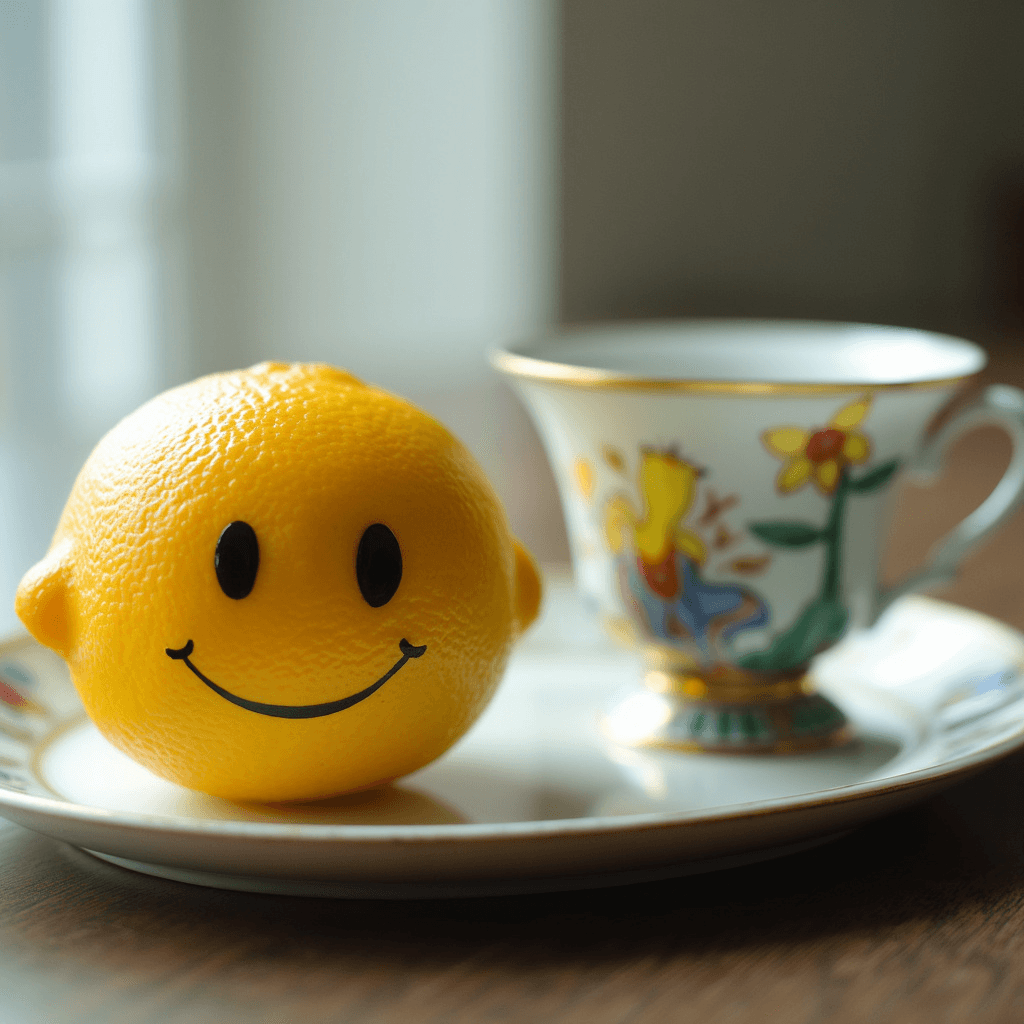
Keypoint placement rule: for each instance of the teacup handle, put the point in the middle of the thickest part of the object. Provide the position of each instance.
(999, 405)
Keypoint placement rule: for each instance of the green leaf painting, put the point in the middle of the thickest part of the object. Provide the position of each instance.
(819, 625)
(786, 535)
(876, 479)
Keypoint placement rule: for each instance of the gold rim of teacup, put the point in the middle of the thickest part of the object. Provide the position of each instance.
(732, 691)
(550, 372)
(671, 672)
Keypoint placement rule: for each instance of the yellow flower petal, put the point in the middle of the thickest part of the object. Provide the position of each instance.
(850, 415)
(826, 476)
(793, 475)
(785, 441)
(857, 447)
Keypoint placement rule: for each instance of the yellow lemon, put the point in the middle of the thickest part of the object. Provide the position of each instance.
(281, 584)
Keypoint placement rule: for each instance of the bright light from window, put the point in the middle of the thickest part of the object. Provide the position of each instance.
(103, 181)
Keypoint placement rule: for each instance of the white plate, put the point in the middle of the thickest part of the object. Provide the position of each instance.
(533, 798)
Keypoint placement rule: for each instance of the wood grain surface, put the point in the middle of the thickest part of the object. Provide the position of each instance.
(919, 917)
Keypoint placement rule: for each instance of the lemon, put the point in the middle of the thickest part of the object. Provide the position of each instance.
(281, 584)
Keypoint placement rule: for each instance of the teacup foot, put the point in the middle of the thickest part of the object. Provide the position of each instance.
(796, 723)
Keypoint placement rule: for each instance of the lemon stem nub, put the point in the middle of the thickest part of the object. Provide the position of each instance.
(42, 600)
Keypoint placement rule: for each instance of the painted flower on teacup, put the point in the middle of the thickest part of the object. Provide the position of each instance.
(819, 455)
(824, 456)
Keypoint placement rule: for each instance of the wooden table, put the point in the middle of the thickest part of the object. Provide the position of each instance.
(919, 917)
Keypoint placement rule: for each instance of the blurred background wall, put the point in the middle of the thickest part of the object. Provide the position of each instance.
(90, 230)
(395, 186)
(857, 161)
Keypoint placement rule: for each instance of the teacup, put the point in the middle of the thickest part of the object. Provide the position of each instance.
(727, 490)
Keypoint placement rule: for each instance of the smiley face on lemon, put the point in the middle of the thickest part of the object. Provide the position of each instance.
(281, 584)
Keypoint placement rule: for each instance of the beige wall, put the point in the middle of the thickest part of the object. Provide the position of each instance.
(788, 158)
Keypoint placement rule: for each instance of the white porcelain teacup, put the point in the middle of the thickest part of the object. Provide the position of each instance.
(726, 489)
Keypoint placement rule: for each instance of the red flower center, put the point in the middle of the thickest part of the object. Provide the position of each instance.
(825, 444)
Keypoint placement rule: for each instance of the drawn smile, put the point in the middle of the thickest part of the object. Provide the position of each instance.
(299, 710)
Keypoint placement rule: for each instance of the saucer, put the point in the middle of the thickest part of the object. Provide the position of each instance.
(535, 798)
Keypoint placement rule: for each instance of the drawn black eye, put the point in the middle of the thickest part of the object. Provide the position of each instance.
(378, 565)
(236, 559)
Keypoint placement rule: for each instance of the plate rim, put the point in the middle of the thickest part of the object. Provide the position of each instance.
(599, 825)
(947, 771)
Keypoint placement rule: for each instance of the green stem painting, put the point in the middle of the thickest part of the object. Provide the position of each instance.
(823, 619)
